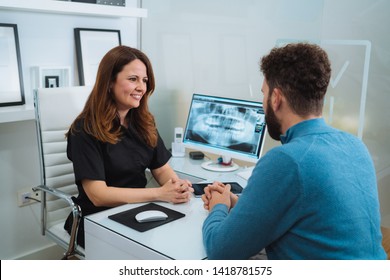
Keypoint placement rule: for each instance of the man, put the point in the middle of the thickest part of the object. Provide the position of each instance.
(315, 196)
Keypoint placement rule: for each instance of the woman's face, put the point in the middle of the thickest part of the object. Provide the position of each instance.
(130, 85)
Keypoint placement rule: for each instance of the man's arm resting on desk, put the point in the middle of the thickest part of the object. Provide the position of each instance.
(251, 224)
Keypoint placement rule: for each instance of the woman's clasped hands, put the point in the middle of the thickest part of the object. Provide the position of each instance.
(176, 191)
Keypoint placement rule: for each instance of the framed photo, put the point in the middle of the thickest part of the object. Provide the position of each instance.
(52, 81)
(11, 81)
(50, 76)
(91, 46)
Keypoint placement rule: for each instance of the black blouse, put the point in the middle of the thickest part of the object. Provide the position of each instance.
(120, 165)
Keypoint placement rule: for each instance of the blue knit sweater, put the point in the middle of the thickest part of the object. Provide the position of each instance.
(314, 197)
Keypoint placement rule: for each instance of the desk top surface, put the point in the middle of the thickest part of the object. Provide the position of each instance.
(182, 238)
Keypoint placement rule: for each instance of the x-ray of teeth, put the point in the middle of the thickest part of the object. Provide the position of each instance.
(225, 126)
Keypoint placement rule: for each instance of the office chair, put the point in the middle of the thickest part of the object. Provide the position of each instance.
(386, 240)
(55, 110)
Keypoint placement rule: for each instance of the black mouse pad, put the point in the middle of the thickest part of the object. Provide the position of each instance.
(127, 217)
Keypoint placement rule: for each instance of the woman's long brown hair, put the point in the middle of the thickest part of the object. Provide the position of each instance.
(100, 115)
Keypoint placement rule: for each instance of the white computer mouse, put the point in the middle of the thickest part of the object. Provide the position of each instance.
(150, 216)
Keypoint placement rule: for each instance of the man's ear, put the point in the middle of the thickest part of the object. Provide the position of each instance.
(276, 99)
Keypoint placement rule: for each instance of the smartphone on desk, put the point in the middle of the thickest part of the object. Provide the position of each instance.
(199, 188)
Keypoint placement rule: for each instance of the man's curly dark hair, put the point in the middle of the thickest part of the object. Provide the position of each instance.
(302, 72)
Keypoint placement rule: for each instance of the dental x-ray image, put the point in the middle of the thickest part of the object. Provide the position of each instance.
(225, 124)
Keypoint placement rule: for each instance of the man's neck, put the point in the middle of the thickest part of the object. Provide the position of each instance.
(293, 119)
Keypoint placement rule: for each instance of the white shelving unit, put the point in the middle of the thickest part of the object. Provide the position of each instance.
(16, 113)
(71, 8)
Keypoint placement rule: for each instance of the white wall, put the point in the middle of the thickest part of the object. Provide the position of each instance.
(214, 46)
(45, 40)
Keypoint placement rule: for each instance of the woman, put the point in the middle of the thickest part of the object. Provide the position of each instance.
(115, 139)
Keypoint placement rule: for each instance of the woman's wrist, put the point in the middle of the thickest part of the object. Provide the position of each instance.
(157, 193)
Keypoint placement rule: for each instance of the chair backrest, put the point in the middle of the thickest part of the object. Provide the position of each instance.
(56, 108)
(386, 240)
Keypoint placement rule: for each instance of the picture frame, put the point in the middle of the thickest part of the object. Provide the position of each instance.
(91, 46)
(50, 76)
(52, 81)
(11, 78)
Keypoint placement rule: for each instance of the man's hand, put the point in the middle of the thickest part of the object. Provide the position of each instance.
(217, 193)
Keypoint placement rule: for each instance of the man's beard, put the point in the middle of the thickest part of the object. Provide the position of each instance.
(273, 125)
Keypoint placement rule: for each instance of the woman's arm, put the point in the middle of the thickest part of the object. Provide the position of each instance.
(102, 195)
(166, 176)
(164, 173)
(172, 190)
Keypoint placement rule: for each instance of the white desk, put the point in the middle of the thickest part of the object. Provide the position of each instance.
(180, 239)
